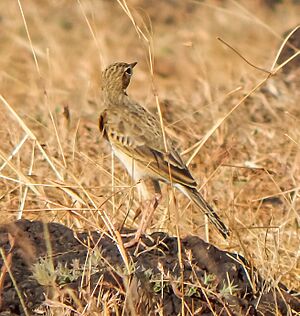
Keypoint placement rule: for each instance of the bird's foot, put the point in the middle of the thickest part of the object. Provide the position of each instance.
(148, 211)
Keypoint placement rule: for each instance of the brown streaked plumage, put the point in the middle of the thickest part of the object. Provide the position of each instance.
(137, 140)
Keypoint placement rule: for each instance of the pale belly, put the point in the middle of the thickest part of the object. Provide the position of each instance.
(140, 174)
(136, 171)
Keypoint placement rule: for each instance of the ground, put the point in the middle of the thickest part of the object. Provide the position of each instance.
(72, 267)
(232, 115)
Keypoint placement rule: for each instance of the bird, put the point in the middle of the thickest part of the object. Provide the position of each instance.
(137, 140)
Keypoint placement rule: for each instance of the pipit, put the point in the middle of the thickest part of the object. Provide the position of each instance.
(137, 140)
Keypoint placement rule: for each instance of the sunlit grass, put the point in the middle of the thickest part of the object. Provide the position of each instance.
(56, 167)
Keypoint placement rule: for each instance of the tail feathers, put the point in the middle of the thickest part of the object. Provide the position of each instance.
(197, 198)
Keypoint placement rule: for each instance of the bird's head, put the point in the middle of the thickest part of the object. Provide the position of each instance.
(116, 78)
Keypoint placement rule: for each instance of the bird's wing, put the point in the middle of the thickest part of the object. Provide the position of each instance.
(137, 133)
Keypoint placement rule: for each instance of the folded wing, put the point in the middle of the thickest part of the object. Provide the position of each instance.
(138, 134)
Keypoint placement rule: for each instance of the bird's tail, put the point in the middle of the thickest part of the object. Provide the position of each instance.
(197, 198)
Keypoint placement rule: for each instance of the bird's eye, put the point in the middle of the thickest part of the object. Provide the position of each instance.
(128, 71)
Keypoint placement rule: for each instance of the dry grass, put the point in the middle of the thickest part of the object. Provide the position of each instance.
(62, 171)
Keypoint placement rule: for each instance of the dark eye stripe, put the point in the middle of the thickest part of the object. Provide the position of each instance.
(129, 71)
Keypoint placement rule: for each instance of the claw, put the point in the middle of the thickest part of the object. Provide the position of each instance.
(148, 212)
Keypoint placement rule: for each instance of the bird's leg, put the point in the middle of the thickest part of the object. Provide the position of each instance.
(149, 206)
(148, 211)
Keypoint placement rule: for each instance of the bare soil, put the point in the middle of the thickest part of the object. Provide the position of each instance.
(206, 279)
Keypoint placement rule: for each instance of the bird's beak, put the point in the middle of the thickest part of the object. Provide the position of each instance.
(133, 64)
